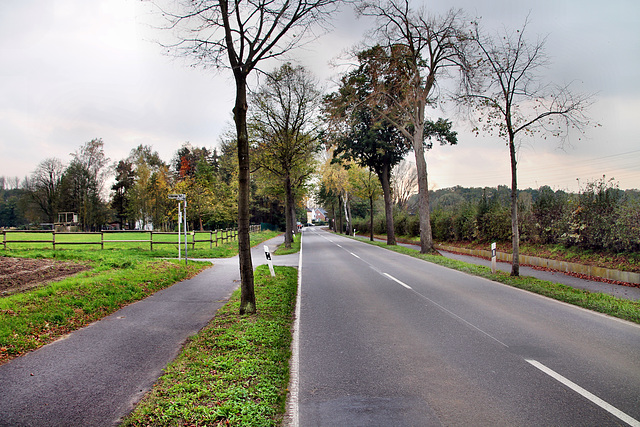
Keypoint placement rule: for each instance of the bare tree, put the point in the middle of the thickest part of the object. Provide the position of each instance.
(287, 136)
(43, 187)
(404, 182)
(514, 101)
(240, 35)
(420, 49)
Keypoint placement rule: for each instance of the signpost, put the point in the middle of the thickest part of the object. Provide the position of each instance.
(269, 260)
(493, 257)
(181, 217)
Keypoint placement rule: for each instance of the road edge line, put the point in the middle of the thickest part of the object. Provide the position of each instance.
(292, 412)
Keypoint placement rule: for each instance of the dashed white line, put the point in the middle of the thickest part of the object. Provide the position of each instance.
(586, 394)
(397, 281)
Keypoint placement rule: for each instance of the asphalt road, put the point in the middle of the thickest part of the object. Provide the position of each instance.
(388, 340)
(97, 374)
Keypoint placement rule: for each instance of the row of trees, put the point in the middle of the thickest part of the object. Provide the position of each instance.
(599, 217)
(54, 188)
(399, 77)
(379, 111)
(138, 197)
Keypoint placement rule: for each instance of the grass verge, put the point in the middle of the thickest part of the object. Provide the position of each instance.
(235, 371)
(596, 301)
(118, 277)
(295, 246)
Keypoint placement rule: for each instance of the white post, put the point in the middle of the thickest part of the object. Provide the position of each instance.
(185, 232)
(179, 223)
(269, 261)
(493, 257)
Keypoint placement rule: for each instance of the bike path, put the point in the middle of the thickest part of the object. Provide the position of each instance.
(96, 375)
(620, 291)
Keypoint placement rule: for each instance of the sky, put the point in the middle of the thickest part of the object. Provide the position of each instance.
(75, 70)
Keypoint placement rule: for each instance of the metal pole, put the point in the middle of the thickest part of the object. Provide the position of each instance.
(186, 262)
(179, 222)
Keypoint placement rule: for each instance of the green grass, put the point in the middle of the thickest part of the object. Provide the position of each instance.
(295, 246)
(235, 371)
(139, 240)
(117, 277)
(596, 301)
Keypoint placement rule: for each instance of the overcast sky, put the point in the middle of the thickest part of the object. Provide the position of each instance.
(74, 70)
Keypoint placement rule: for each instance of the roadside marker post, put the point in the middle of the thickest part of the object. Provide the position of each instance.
(493, 257)
(269, 260)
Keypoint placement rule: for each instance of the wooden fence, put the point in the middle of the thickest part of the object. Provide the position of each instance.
(193, 237)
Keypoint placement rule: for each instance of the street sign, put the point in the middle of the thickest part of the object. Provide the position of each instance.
(181, 197)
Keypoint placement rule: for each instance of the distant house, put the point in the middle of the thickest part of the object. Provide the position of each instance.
(316, 214)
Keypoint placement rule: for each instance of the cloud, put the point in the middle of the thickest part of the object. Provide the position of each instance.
(74, 70)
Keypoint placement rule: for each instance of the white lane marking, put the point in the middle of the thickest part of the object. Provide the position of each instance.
(293, 410)
(462, 320)
(445, 310)
(397, 281)
(355, 255)
(586, 394)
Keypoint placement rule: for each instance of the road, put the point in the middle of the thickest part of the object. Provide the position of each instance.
(384, 339)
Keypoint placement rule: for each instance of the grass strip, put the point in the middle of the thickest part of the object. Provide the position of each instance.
(118, 277)
(235, 371)
(596, 301)
(32, 319)
(295, 246)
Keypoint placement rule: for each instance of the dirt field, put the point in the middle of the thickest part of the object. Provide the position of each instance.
(19, 274)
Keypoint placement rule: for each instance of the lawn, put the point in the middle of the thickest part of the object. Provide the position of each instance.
(117, 277)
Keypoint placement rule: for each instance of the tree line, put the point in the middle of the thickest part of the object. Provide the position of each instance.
(138, 195)
(381, 107)
(598, 217)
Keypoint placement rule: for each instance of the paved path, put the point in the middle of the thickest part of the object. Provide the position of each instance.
(97, 374)
(620, 291)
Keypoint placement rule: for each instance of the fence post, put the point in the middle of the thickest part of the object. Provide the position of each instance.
(193, 240)
(151, 239)
(102, 239)
(4, 239)
(210, 239)
(53, 236)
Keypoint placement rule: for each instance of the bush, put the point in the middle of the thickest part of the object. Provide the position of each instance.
(442, 225)
(465, 224)
(592, 224)
(551, 213)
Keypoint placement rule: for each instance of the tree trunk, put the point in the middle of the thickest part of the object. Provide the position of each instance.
(339, 227)
(347, 214)
(288, 228)
(515, 234)
(426, 240)
(385, 181)
(247, 293)
(371, 218)
(294, 217)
